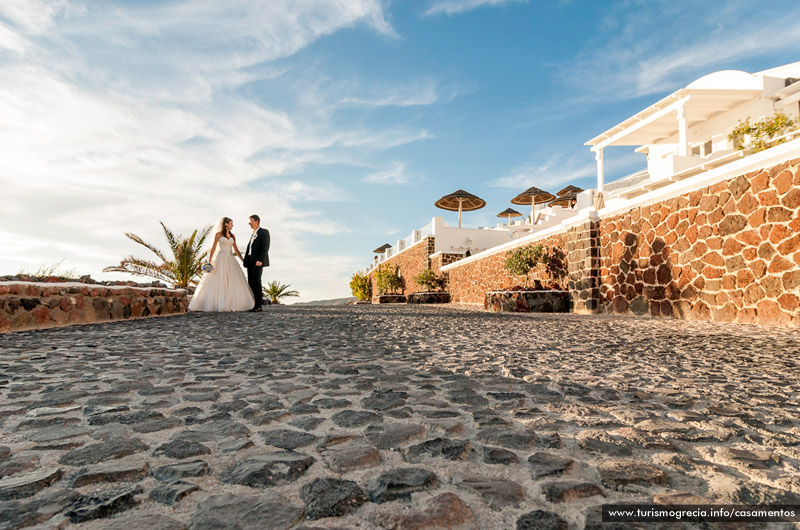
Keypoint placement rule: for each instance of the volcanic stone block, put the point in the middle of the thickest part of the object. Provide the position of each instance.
(234, 512)
(400, 484)
(173, 492)
(331, 497)
(443, 511)
(180, 449)
(112, 449)
(102, 504)
(57, 432)
(273, 469)
(389, 299)
(384, 400)
(541, 520)
(349, 458)
(546, 465)
(496, 492)
(439, 447)
(308, 423)
(355, 418)
(170, 473)
(510, 438)
(110, 472)
(428, 298)
(17, 487)
(601, 441)
(528, 301)
(16, 514)
(287, 438)
(126, 419)
(569, 491)
(496, 455)
(157, 425)
(394, 435)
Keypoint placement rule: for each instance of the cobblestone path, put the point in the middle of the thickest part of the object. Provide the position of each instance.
(390, 418)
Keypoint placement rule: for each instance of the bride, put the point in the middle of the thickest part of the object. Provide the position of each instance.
(225, 287)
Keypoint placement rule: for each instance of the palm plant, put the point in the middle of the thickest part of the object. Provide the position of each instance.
(276, 291)
(181, 269)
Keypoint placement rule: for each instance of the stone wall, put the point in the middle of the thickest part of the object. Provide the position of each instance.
(729, 252)
(411, 262)
(440, 259)
(470, 280)
(26, 305)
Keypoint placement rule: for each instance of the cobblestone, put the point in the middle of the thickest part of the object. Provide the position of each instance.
(442, 415)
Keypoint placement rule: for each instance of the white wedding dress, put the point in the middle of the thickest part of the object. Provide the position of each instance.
(225, 288)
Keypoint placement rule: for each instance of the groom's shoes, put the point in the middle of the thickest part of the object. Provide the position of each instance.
(256, 310)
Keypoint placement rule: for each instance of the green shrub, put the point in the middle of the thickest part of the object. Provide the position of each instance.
(388, 279)
(428, 280)
(361, 286)
(520, 261)
(762, 132)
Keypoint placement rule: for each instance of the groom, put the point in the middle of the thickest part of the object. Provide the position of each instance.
(256, 258)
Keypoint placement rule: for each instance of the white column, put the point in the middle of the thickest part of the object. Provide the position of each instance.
(683, 132)
(598, 155)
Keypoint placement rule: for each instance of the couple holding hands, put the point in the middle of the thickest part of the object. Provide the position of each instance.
(223, 287)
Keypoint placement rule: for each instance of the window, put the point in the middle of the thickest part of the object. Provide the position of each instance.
(702, 149)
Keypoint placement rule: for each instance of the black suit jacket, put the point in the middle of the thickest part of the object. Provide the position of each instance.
(258, 249)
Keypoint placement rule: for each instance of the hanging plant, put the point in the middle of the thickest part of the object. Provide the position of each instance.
(759, 135)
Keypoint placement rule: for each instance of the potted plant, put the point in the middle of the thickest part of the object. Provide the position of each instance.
(433, 284)
(429, 280)
(520, 262)
(389, 282)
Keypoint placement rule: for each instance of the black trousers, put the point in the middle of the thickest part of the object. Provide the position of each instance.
(254, 281)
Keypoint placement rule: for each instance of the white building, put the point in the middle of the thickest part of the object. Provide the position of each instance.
(687, 132)
(683, 135)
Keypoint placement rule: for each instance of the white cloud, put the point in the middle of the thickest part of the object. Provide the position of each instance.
(35, 16)
(397, 174)
(422, 93)
(11, 40)
(114, 119)
(383, 139)
(452, 7)
(638, 54)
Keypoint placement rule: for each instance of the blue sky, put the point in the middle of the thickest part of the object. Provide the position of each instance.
(340, 122)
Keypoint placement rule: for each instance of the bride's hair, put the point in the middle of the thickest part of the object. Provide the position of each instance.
(225, 231)
(221, 228)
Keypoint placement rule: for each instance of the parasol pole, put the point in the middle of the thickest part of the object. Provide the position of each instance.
(533, 208)
(460, 200)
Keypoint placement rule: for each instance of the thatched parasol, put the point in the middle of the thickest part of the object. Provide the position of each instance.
(533, 196)
(459, 201)
(381, 249)
(565, 200)
(570, 189)
(509, 212)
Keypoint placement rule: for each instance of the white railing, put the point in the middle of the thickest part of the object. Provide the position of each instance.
(702, 166)
(412, 239)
